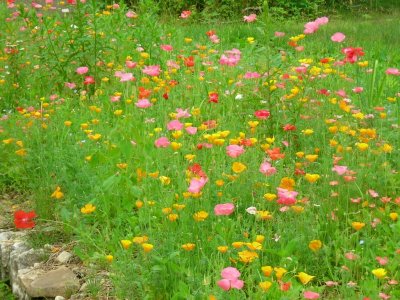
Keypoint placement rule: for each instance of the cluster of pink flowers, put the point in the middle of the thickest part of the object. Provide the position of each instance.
(313, 26)
(230, 58)
(230, 279)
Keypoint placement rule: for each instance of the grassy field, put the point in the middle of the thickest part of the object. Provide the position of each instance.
(207, 161)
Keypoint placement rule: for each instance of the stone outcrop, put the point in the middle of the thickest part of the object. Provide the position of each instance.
(24, 269)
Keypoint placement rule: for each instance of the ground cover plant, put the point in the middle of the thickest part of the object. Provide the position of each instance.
(197, 161)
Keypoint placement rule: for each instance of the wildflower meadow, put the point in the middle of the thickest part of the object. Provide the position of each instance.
(189, 160)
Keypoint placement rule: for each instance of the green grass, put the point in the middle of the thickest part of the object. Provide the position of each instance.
(138, 189)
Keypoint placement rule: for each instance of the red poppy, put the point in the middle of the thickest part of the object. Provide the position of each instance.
(89, 80)
(197, 170)
(262, 114)
(143, 93)
(24, 220)
(275, 154)
(289, 127)
(165, 96)
(189, 61)
(213, 97)
(352, 54)
(210, 32)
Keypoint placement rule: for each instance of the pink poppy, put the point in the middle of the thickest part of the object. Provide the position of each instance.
(267, 169)
(250, 18)
(185, 14)
(89, 80)
(373, 193)
(338, 37)
(196, 185)
(82, 70)
(131, 14)
(143, 103)
(224, 209)
(393, 71)
(331, 283)
(310, 295)
(166, 48)
(152, 70)
(174, 125)
(182, 113)
(279, 34)
(286, 197)
(70, 85)
(130, 64)
(191, 130)
(322, 21)
(230, 279)
(115, 98)
(383, 296)
(358, 89)
(382, 260)
(262, 114)
(162, 142)
(310, 27)
(351, 256)
(234, 150)
(251, 75)
(340, 170)
(124, 76)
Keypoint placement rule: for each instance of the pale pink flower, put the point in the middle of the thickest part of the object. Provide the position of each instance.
(152, 70)
(340, 170)
(310, 295)
(382, 260)
(286, 197)
(174, 125)
(230, 273)
(143, 103)
(251, 75)
(115, 98)
(250, 18)
(338, 37)
(166, 48)
(214, 39)
(196, 184)
(322, 21)
(373, 194)
(82, 70)
(331, 283)
(131, 14)
(310, 27)
(191, 130)
(224, 209)
(267, 169)
(299, 48)
(383, 296)
(130, 64)
(162, 142)
(358, 89)
(182, 113)
(185, 14)
(124, 76)
(234, 150)
(279, 34)
(393, 71)
(341, 93)
(70, 85)
(351, 256)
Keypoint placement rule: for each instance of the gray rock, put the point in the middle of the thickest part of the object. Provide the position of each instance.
(59, 298)
(59, 282)
(64, 257)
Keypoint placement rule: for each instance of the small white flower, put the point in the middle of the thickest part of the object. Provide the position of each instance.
(251, 210)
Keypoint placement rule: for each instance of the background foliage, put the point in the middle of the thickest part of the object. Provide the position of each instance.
(280, 9)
